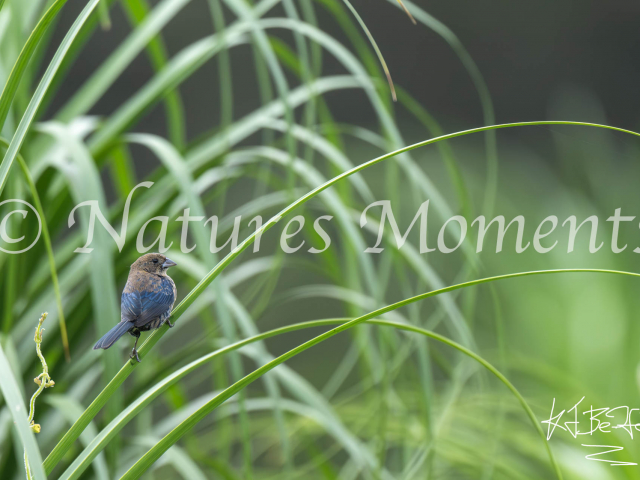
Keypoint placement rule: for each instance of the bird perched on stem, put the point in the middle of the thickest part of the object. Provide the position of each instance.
(147, 300)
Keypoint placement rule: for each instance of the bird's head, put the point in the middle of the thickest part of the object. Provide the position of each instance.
(153, 263)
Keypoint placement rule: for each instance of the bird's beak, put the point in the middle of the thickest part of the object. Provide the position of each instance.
(168, 263)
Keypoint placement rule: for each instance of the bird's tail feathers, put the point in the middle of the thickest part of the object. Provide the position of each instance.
(113, 335)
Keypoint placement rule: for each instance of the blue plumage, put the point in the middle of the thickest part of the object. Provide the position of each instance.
(112, 335)
(147, 300)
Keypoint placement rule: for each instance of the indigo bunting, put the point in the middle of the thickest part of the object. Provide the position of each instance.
(147, 300)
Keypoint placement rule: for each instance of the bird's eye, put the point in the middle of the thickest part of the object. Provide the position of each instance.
(155, 260)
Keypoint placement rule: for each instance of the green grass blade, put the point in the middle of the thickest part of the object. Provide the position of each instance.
(122, 171)
(103, 15)
(157, 52)
(84, 183)
(13, 399)
(375, 47)
(406, 10)
(420, 183)
(103, 397)
(224, 67)
(179, 68)
(247, 242)
(71, 409)
(34, 104)
(85, 459)
(76, 49)
(21, 64)
(93, 89)
(263, 46)
(177, 457)
(152, 455)
(49, 248)
(430, 123)
(483, 94)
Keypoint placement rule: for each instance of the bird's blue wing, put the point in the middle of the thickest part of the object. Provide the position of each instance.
(130, 306)
(143, 305)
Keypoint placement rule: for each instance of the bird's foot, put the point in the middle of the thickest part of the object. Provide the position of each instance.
(134, 354)
(169, 323)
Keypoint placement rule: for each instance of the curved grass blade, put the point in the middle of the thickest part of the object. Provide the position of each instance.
(84, 460)
(327, 149)
(375, 45)
(311, 177)
(43, 86)
(103, 15)
(111, 68)
(249, 240)
(483, 93)
(19, 68)
(76, 49)
(263, 46)
(180, 67)
(49, 248)
(142, 401)
(179, 170)
(152, 455)
(421, 183)
(430, 123)
(72, 434)
(84, 182)
(406, 10)
(69, 408)
(182, 461)
(13, 399)
(224, 67)
(137, 11)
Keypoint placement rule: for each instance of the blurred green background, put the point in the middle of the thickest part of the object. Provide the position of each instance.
(373, 402)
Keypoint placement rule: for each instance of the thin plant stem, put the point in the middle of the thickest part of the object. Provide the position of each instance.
(43, 381)
(47, 242)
